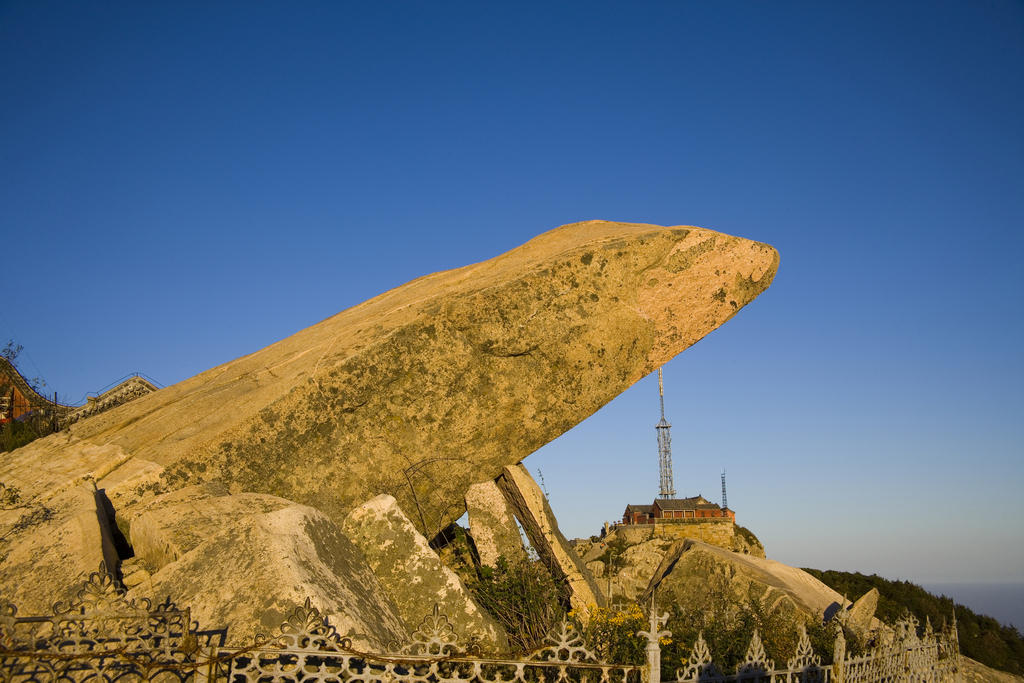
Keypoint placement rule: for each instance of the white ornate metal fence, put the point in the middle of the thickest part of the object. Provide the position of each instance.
(900, 656)
(101, 637)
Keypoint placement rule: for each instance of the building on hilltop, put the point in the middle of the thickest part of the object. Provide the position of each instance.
(668, 516)
(695, 518)
(638, 514)
(666, 510)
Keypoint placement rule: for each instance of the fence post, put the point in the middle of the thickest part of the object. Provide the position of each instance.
(205, 671)
(959, 677)
(839, 657)
(653, 646)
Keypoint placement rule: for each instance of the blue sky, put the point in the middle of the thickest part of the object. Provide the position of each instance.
(185, 183)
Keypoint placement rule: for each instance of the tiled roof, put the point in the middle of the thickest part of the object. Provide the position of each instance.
(646, 509)
(696, 503)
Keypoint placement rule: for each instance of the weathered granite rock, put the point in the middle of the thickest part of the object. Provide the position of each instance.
(976, 672)
(692, 570)
(492, 525)
(538, 521)
(47, 466)
(125, 514)
(744, 541)
(439, 384)
(170, 525)
(861, 615)
(635, 567)
(595, 551)
(244, 562)
(50, 546)
(632, 533)
(130, 482)
(59, 532)
(413, 574)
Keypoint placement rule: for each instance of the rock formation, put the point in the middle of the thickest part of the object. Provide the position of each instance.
(635, 567)
(743, 541)
(533, 512)
(692, 572)
(860, 617)
(413, 575)
(976, 672)
(492, 526)
(59, 532)
(442, 382)
(244, 562)
(417, 394)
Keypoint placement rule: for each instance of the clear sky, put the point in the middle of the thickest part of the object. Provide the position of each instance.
(185, 183)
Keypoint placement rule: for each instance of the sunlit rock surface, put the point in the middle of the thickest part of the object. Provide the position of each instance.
(442, 382)
(244, 562)
(58, 531)
(413, 574)
(492, 526)
(694, 573)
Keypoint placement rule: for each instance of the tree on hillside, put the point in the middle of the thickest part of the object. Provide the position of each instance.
(982, 638)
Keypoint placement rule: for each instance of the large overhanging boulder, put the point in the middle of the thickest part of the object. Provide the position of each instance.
(444, 381)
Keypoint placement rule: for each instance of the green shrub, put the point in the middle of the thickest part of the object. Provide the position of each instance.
(612, 635)
(16, 434)
(521, 596)
(728, 627)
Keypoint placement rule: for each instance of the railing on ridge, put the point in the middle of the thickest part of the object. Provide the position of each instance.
(100, 636)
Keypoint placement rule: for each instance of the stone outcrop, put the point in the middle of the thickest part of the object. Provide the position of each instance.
(51, 546)
(442, 382)
(635, 567)
(244, 562)
(59, 531)
(976, 672)
(692, 572)
(534, 514)
(413, 574)
(744, 541)
(627, 558)
(492, 525)
(633, 533)
(417, 394)
(860, 617)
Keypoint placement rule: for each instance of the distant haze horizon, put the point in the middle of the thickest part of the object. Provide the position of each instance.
(1001, 601)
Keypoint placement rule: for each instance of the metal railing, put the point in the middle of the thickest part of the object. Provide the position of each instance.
(100, 636)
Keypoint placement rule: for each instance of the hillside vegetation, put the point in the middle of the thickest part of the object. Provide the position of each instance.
(982, 638)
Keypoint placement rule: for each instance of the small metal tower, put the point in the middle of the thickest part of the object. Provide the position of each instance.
(664, 448)
(725, 501)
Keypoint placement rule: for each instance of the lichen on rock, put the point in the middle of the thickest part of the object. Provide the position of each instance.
(438, 384)
(413, 575)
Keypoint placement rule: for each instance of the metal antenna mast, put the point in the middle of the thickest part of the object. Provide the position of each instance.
(664, 448)
(725, 501)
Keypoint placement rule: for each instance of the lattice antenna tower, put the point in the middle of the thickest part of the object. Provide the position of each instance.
(725, 501)
(667, 489)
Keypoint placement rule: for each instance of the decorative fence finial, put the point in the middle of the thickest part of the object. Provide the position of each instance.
(654, 637)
